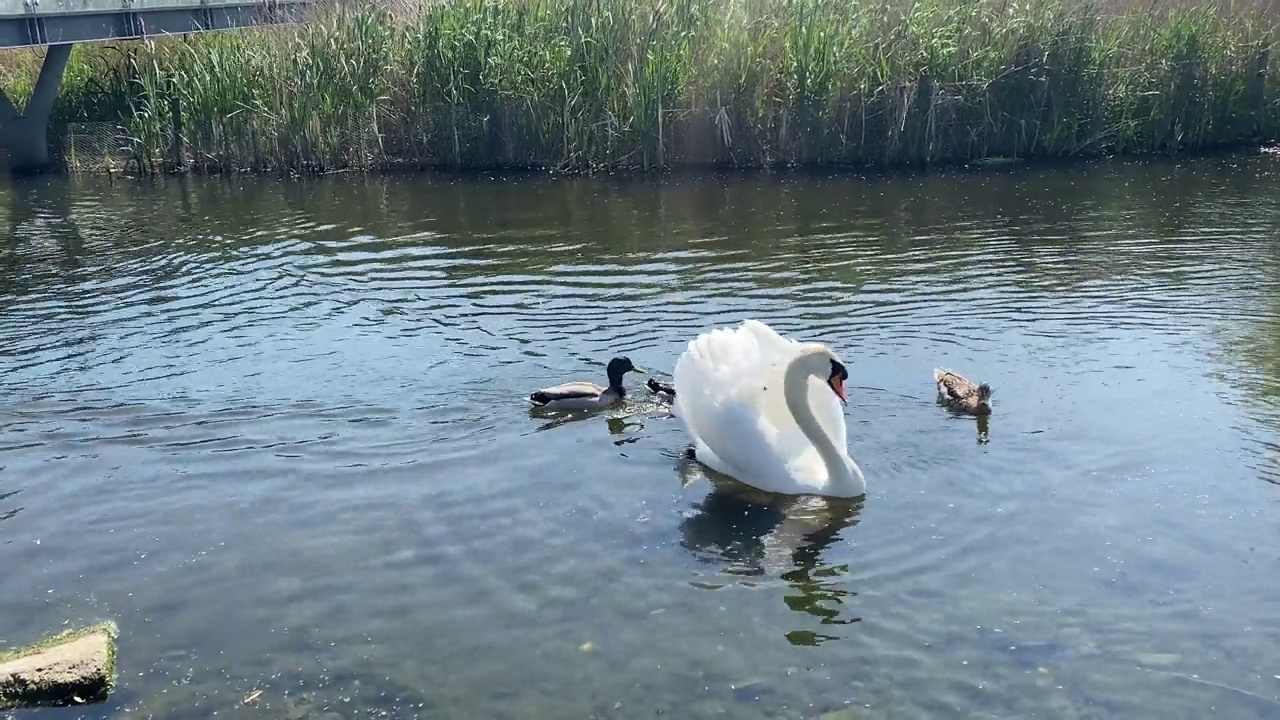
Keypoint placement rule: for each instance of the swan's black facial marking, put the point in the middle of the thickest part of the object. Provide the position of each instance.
(838, 368)
(836, 380)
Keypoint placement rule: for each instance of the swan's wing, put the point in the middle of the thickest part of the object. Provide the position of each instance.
(730, 364)
(768, 339)
(791, 442)
(566, 391)
(729, 395)
(742, 444)
(826, 406)
(716, 382)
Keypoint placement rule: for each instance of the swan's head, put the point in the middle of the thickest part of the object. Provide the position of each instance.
(618, 367)
(822, 362)
(836, 379)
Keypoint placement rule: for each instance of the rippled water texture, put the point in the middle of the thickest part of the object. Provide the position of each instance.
(278, 433)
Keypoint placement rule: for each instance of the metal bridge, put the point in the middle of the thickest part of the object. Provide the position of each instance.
(59, 24)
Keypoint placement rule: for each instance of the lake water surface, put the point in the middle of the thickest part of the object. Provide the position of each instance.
(278, 432)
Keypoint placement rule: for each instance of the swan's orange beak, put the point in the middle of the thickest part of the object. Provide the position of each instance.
(837, 386)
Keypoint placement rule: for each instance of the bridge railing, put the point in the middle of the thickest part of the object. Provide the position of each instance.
(45, 22)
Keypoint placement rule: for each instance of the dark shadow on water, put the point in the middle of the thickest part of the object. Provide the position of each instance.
(756, 536)
(44, 242)
(555, 418)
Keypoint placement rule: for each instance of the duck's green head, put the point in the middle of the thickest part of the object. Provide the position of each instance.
(618, 367)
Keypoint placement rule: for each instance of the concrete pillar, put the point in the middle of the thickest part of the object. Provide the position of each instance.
(26, 133)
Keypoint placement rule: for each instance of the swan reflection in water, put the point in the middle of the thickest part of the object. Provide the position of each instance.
(756, 536)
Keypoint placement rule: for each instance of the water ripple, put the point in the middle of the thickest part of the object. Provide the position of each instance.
(313, 401)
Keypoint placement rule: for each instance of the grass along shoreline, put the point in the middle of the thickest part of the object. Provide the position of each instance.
(584, 85)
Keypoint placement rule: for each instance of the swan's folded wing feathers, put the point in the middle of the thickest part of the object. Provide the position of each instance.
(768, 341)
(719, 382)
(742, 439)
(743, 358)
(733, 365)
(730, 397)
(739, 436)
(789, 441)
(712, 375)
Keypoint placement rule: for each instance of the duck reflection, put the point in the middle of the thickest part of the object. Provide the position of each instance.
(982, 421)
(627, 416)
(755, 536)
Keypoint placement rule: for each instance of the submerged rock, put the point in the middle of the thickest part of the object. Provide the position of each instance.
(70, 668)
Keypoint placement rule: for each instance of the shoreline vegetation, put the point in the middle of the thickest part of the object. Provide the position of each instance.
(612, 85)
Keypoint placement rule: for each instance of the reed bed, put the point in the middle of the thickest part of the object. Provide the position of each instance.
(583, 85)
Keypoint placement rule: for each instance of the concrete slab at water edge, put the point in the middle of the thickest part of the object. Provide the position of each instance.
(71, 668)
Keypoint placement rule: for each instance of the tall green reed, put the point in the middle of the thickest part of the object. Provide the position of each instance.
(580, 85)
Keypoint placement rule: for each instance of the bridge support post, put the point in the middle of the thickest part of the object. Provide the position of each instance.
(26, 134)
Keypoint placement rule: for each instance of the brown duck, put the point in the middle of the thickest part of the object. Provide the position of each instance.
(960, 393)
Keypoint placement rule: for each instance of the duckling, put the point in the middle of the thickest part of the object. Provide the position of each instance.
(657, 387)
(959, 393)
(583, 395)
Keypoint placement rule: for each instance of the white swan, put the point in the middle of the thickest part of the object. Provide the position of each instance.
(767, 410)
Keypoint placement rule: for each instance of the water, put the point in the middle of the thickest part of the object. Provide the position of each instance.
(278, 433)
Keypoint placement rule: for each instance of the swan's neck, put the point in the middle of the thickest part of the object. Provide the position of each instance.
(843, 473)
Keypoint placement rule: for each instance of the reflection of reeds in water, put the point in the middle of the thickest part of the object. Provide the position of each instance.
(753, 536)
(583, 84)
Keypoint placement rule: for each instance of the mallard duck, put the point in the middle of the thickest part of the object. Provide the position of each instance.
(583, 395)
(960, 393)
(657, 387)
